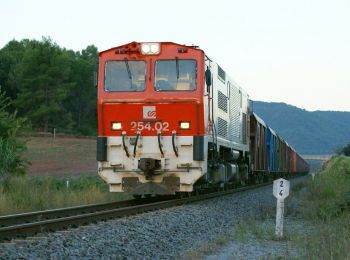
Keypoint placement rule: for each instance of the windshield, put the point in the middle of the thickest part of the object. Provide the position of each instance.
(125, 75)
(175, 75)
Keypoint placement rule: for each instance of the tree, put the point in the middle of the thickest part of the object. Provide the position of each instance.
(11, 147)
(346, 150)
(51, 86)
(10, 57)
(44, 83)
(81, 100)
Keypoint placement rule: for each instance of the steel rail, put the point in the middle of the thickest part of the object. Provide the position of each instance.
(10, 220)
(62, 222)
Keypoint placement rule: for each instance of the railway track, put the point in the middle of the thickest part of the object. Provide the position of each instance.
(28, 224)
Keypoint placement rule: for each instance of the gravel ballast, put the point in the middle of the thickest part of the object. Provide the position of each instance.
(163, 234)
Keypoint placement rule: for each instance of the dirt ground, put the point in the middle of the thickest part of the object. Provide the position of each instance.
(61, 156)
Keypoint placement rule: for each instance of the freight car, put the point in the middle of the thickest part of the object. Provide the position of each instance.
(171, 120)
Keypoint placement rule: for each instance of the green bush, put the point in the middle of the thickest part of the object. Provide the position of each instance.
(327, 207)
(329, 193)
(344, 150)
(11, 147)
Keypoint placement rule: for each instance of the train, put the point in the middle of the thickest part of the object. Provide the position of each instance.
(172, 121)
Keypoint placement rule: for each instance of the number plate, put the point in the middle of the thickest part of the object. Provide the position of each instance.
(149, 126)
(281, 188)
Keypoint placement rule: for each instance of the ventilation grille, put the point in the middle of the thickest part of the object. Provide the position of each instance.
(221, 73)
(235, 119)
(244, 128)
(222, 127)
(222, 101)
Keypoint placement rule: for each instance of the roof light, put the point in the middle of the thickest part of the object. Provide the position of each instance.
(145, 48)
(150, 48)
(155, 48)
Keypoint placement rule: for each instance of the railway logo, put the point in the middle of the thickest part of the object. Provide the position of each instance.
(149, 112)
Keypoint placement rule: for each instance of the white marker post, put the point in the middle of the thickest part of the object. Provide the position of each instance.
(280, 191)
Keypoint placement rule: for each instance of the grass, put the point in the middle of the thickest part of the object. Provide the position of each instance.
(329, 193)
(330, 240)
(27, 193)
(262, 231)
(61, 156)
(207, 248)
(54, 161)
(326, 207)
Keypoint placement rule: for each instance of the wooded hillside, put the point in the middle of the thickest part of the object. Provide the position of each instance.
(318, 132)
(50, 85)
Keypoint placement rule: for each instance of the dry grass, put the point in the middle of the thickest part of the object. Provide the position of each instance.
(53, 162)
(61, 156)
(26, 193)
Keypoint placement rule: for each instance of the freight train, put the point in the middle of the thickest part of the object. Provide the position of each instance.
(171, 120)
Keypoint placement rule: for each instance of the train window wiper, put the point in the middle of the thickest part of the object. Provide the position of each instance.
(177, 68)
(128, 69)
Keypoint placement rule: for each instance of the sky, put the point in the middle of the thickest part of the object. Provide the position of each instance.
(295, 51)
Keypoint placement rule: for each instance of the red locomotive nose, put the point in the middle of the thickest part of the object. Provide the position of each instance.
(149, 120)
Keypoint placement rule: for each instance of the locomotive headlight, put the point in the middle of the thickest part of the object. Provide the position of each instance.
(150, 48)
(184, 125)
(145, 48)
(155, 48)
(116, 126)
